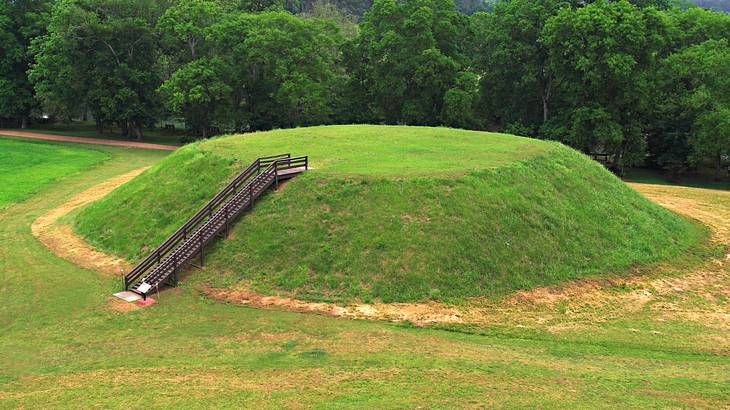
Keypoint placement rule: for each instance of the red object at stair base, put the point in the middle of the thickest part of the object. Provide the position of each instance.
(145, 302)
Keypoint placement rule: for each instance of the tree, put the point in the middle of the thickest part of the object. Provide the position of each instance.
(199, 91)
(21, 21)
(106, 50)
(460, 102)
(258, 71)
(407, 56)
(696, 88)
(283, 69)
(516, 85)
(605, 56)
(184, 26)
(324, 9)
(694, 26)
(711, 138)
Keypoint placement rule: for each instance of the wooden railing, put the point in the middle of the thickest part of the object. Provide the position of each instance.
(271, 166)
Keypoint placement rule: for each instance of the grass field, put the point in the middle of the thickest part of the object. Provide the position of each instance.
(399, 214)
(25, 167)
(62, 345)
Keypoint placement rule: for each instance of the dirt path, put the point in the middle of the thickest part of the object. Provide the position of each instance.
(64, 138)
(61, 239)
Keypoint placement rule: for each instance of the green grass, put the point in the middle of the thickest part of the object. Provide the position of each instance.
(382, 151)
(27, 166)
(399, 214)
(62, 347)
(543, 221)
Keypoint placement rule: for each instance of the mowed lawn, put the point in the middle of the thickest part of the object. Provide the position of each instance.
(62, 346)
(26, 166)
(383, 151)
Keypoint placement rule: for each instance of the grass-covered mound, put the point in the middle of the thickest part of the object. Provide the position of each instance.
(399, 214)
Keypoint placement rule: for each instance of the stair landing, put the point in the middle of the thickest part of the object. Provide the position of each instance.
(288, 173)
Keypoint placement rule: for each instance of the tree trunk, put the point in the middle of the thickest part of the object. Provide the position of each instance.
(718, 166)
(99, 126)
(124, 126)
(138, 130)
(546, 90)
(24, 120)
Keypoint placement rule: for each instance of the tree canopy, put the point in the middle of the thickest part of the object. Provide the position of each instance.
(641, 81)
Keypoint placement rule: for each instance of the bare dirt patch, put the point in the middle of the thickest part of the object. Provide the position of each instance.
(418, 313)
(61, 239)
(282, 184)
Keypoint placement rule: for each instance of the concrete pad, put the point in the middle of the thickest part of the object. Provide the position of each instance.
(128, 296)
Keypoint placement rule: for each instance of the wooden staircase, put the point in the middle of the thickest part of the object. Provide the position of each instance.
(162, 266)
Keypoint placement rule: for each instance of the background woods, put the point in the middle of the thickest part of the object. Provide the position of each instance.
(644, 81)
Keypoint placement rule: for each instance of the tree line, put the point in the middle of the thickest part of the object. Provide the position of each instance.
(641, 81)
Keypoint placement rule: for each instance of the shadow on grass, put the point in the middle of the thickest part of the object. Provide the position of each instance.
(652, 176)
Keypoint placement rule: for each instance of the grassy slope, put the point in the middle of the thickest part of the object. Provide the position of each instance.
(476, 214)
(173, 190)
(26, 166)
(549, 219)
(62, 347)
(134, 219)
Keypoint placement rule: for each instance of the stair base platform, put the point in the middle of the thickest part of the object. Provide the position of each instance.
(128, 296)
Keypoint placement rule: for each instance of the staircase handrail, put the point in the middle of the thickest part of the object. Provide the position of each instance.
(207, 210)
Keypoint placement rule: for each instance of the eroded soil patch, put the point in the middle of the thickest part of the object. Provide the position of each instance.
(417, 313)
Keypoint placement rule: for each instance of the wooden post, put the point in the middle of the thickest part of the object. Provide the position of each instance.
(200, 238)
(276, 175)
(225, 208)
(250, 196)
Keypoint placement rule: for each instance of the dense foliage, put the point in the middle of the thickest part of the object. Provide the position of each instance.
(642, 81)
